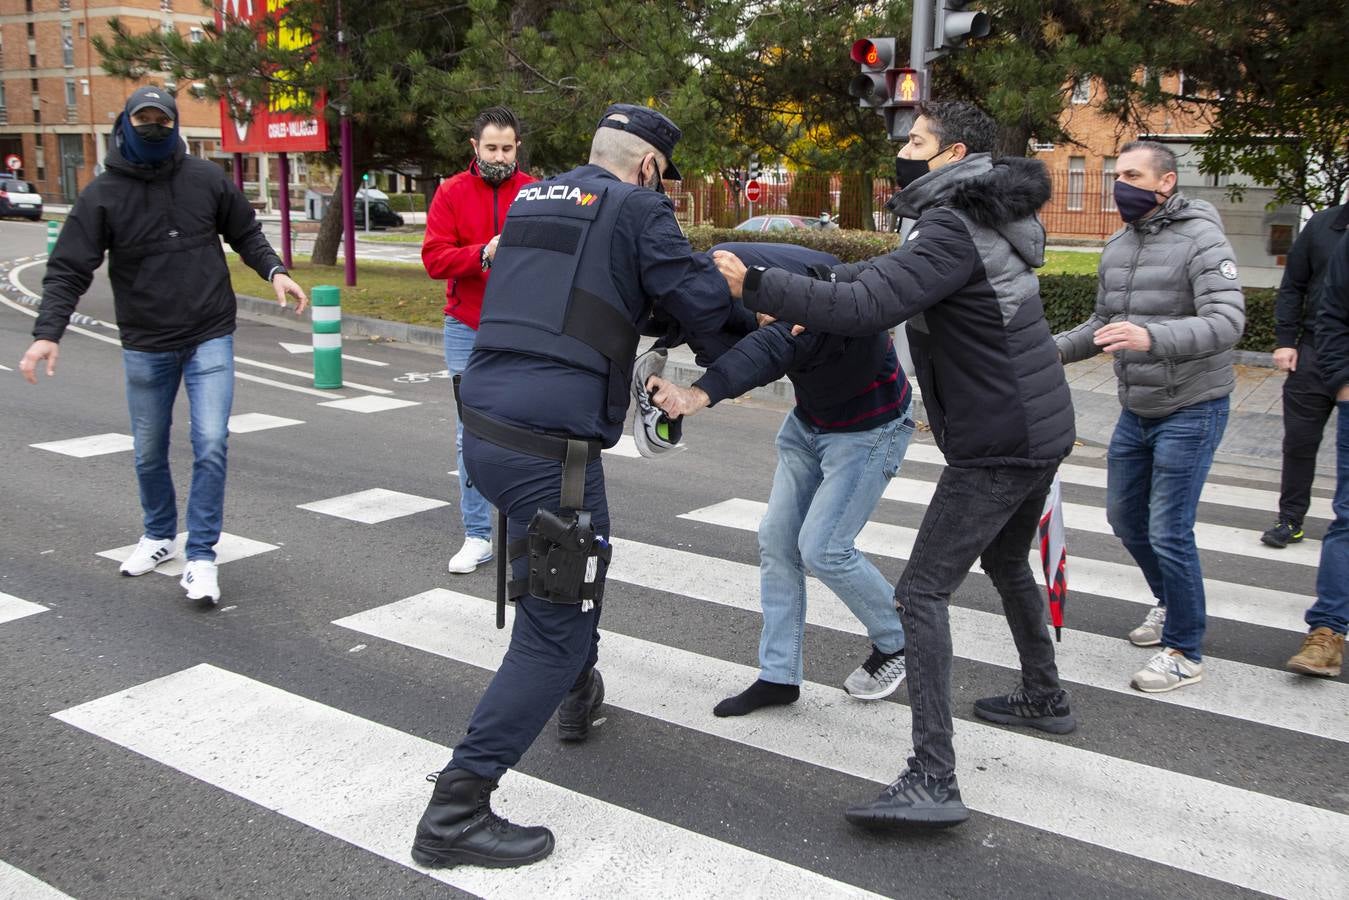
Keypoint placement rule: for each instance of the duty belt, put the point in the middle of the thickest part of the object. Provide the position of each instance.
(574, 454)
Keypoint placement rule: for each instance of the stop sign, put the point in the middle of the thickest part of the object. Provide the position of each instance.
(753, 191)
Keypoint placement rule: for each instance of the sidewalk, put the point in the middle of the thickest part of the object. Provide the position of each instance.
(1254, 430)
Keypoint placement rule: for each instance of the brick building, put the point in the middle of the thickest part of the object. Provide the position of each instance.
(1083, 205)
(57, 105)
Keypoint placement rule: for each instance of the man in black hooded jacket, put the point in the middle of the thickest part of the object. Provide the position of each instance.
(999, 408)
(159, 215)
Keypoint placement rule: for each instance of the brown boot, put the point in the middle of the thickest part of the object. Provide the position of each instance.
(1322, 654)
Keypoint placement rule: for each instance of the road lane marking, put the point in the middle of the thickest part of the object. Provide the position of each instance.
(361, 782)
(373, 506)
(93, 445)
(13, 608)
(1224, 599)
(1242, 837)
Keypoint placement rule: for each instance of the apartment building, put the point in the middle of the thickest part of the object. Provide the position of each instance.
(57, 105)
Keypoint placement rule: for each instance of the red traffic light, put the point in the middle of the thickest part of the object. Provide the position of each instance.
(874, 53)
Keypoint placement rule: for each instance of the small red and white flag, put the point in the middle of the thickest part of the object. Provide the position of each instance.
(1054, 555)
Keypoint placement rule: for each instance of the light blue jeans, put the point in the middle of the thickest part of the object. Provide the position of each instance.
(474, 509)
(152, 381)
(826, 485)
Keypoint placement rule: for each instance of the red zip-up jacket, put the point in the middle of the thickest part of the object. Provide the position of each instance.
(466, 213)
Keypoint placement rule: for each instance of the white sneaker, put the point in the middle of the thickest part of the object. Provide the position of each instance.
(474, 553)
(1149, 634)
(201, 581)
(149, 553)
(1167, 671)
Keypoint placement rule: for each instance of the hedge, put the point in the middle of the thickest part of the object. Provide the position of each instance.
(1068, 299)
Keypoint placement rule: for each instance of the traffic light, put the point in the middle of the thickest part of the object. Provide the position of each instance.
(873, 56)
(954, 24)
(755, 169)
(906, 87)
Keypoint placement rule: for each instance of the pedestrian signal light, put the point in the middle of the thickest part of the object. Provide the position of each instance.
(906, 87)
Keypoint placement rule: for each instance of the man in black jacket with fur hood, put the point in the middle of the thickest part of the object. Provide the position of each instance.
(998, 405)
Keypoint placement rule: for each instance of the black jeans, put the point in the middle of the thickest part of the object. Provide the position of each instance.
(989, 514)
(1307, 405)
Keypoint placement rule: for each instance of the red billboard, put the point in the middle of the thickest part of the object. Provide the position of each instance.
(272, 128)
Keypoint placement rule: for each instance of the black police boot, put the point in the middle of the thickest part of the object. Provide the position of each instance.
(459, 827)
(578, 709)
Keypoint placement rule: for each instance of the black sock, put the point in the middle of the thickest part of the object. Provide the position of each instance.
(760, 693)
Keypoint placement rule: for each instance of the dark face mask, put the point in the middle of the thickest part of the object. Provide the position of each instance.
(495, 173)
(1134, 203)
(654, 183)
(907, 171)
(153, 133)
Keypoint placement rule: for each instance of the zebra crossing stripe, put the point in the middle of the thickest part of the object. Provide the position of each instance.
(1224, 599)
(19, 885)
(1080, 517)
(1233, 689)
(362, 783)
(12, 608)
(1091, 476)
(1252, 840)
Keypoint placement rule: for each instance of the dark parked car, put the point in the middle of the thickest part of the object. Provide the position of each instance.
(19, 198)
(381, 214)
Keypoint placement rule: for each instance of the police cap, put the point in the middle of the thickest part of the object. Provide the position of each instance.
(650, 126)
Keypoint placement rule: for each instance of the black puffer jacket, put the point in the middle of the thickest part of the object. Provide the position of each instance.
(993, 388)
(160, 227)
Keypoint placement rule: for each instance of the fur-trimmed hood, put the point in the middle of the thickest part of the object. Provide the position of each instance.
(1003, 194)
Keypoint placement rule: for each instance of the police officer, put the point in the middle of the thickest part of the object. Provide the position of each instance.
(582, 259)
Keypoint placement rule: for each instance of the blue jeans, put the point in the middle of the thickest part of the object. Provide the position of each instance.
(474, 509)
(1156, 472)
(826, 485)
(1331, 609)
(151, 386)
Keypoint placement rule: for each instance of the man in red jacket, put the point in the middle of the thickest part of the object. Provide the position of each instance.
(461, 240)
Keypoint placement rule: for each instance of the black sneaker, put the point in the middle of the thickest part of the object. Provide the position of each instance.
(1018, 708)
(1283, 534)
(913, 799)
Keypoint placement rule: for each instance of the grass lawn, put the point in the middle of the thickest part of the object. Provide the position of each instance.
(1070, 262)
(392, 237)
(399, 292)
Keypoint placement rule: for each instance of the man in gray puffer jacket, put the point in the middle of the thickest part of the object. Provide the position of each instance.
(1170, 309)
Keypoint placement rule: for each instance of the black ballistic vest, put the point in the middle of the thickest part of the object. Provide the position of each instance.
(552, 292)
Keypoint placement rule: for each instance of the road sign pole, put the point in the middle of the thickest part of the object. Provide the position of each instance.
(326, 304)
(53, 231)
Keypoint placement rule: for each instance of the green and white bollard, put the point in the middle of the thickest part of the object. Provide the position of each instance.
(326, 304)
(53, 230)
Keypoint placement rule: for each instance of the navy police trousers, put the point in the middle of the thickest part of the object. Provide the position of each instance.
(553, 645)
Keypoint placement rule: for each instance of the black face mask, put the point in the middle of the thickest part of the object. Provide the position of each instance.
(907, 171)
(654, 183)
(153, 133)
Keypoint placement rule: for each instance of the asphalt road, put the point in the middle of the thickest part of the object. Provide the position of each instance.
(150, 748)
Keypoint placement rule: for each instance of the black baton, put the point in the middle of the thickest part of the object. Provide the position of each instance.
(501, 569)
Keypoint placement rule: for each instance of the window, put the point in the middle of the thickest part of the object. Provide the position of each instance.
(70, 92)
(1108, 184)
(32, 85)
(64, 5)
(67, 47)
(1077, 181)
(1184, 86)
(1280, 240)
(27, 5)
(2, 95)
(80, 26)
(196, 35)
(32, 60)
(1082, 90)
(40, 160)
(31, 30)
